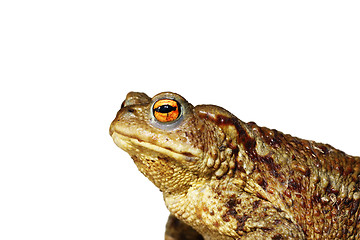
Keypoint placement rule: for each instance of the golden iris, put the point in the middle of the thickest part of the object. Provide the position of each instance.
(166, 110)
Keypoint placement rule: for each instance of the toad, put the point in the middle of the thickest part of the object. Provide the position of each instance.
(225, 179)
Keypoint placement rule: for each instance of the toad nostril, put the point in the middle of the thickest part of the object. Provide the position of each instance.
(130, 110)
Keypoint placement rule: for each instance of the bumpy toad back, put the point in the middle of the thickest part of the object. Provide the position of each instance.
(225, 179)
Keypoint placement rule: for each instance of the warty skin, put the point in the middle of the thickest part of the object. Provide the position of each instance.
(225, 179)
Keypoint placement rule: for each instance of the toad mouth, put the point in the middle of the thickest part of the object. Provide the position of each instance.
(130, 143)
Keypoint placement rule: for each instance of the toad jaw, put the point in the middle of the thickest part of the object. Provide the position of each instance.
(132, 144)
(169, 170)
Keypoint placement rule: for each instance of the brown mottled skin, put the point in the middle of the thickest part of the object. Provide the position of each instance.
(228, 179)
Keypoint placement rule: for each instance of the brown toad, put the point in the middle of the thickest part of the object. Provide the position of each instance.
(222, 178)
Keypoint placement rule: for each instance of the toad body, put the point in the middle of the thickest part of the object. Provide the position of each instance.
(225, 179)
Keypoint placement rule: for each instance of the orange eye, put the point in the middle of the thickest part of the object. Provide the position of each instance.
(166, 110)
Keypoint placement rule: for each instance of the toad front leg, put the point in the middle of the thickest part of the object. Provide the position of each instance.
(283, 229)
(178, 230)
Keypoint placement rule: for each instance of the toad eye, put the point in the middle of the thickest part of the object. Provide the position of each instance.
(166, 110)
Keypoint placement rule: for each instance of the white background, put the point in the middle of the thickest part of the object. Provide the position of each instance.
(66, 66)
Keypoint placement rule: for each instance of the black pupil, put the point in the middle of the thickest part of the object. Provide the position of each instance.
(165, 109)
